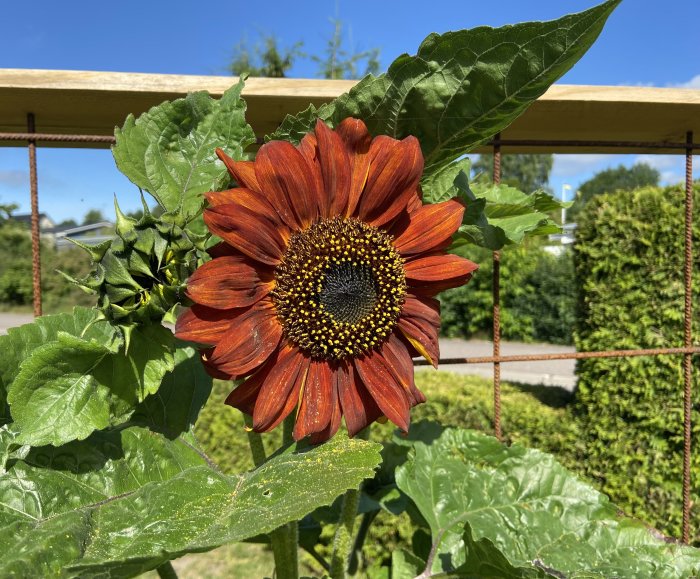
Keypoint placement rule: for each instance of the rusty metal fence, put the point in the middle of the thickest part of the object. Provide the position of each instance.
(31, 138)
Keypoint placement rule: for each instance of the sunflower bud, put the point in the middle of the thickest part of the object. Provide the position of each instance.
(140, 275)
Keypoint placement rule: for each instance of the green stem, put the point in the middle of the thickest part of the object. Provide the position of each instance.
(284, 540)
(255, 441)
(287, 439)
(166, 571)
(343, 540)
(365, 524)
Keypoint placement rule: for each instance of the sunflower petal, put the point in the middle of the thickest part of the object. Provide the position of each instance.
(317, 401)
(420, 323)
(229, 282)
(431, 274)
(335, 168)
(336, 416)
(247, 231)
(430, 227)
(250, 341)
(213, 371)
(245, 197)
(245, 395)
(357, 141)
(394, 172)
(284, 176)
(400, 363)
(204, 325)
(242, 171)
(358, 406)
(309, 148)
(380, 382)
(280, 389)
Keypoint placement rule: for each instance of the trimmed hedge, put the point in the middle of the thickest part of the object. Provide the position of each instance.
(538, 297)
(629, 269)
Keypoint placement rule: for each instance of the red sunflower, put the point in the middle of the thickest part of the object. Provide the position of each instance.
(322, 289)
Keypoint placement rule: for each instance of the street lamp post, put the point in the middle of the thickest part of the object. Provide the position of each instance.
(564, 188)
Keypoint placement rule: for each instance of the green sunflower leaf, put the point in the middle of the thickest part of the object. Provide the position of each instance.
(174, 408)
(18, 343)
(499, 215)
(70, 374)
(169, 150)
(505, 511)
(121, 503)
(462, 87)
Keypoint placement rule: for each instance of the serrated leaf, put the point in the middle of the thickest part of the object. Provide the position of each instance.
(499, 215)
(440, 186)
(462, 87)
(67, 383)
(174, 408)
(122, 503)
(524, 505)
(18, 343)
(405, 565)
(169, 150)
(56, 398)
(150, 357)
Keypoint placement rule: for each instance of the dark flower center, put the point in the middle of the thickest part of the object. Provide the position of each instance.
(340, 288)
(349, 291)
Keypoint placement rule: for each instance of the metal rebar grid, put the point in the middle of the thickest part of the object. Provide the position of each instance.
(497, 309)
(669, 145)
(34, 200)
(687, 334)
(565, 356)
(57, 138)
(32, 137)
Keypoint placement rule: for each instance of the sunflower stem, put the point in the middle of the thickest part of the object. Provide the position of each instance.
(255, 442)
(166, 571)
(343, 540)
(285, 539)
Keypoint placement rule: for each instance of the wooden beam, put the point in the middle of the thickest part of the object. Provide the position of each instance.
(82, 102)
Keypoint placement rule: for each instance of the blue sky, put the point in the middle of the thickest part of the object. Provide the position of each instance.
(644, 43)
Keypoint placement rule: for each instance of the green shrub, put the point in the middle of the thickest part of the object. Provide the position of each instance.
(629, 269)
(16, 289)
(537, 297)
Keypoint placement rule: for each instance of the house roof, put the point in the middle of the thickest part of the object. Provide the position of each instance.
(72, 230)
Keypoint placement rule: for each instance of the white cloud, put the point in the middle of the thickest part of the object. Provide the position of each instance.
(692, 83)
(670, 167)
(574, 165)
(14, 179)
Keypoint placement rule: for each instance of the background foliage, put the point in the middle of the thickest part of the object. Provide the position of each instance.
(538, 297)
(629, 271)
(526, 172)
(16, 272)
(619, 178)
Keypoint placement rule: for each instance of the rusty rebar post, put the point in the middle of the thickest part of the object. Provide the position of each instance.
(497, 308)
(36, 239)
(688, 336)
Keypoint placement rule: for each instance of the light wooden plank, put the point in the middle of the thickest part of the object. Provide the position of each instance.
(94, 103)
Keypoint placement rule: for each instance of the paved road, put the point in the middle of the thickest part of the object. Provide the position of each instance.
(550, 373)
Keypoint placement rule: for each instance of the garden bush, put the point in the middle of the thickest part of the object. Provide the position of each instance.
(16, 289)
(538, 297)
(629, 271)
